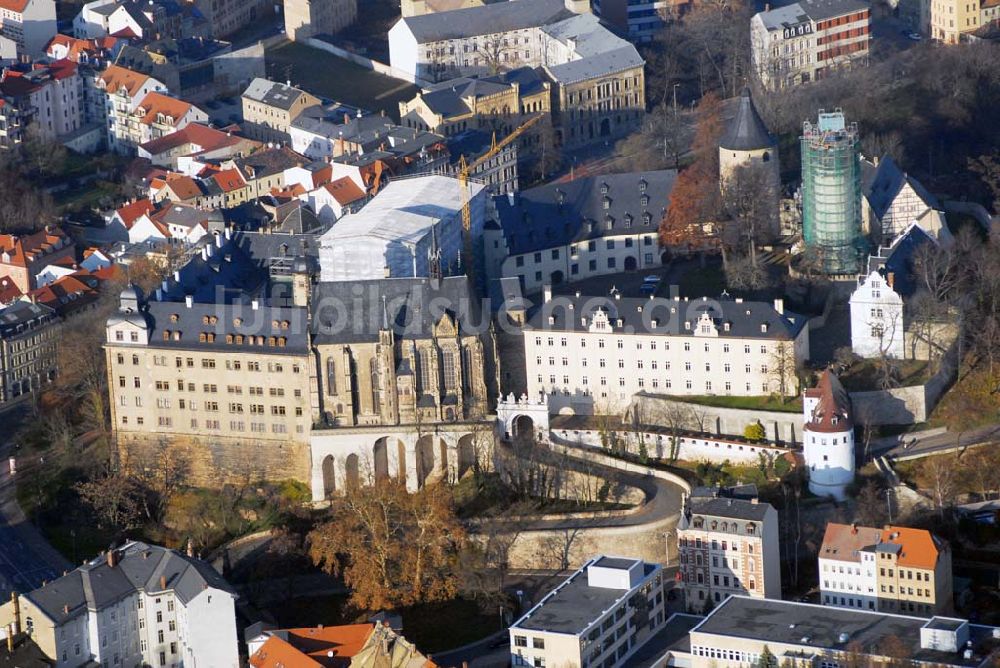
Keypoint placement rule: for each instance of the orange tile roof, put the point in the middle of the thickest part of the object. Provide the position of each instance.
(330, 647)
(842, 542)
(229, 180)
(8, 290)
(184, 187)
(130, 212)
(158, 103)
(25, 249)
(115, 78)
(920, 547)
(344, 190)
(17, 6)
(195, 133)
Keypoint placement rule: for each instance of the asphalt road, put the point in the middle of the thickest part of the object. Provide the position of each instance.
(26, 559)
(940, 443)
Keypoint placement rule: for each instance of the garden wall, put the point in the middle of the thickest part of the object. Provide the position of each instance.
(367, 63)
(783, 428)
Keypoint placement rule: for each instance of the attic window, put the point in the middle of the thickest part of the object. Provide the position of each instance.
(271, 341)
(211, 337)
(204, 320)
(285, 324)
(763, 327)
(644, 200)
(628, 220)
(620, 322)
(646, 218)
(239, 338)
(281, 341)
(177, 336)
(229, 338)
(725, 326)
(166, 335)
(174, 317)
(237, 321)
(607, 203)
(604, 188)
(642, 185)
(202, 337)
(275, 324)
(609, 222)
(687, 325)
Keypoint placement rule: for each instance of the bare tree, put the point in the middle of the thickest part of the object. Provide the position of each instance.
(782, 367)
(940, 478)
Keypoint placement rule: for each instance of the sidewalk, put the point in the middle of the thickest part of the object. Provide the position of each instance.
(26, 558)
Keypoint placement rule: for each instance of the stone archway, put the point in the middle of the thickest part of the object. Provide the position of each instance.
(557, 277)
(466, 454)
(425, 459)
(352, 472)
(523, 427)
(329, 477)
(380, 459)
(631, 264)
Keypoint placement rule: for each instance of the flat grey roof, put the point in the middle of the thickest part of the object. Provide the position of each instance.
(616, 562)
(574, 605)
(790, 623)
(673, 637)
(945, 623)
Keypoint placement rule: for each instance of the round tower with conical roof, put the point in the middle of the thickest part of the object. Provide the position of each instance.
(828, 437)
(747, 141)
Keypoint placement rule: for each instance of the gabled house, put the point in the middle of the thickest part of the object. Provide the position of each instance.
(195, 141)
(23, 257)
(175, 223)
(159, 115)
(125, 90)
(892, 200)
(881, 320)
(332, 200)
(121, 221)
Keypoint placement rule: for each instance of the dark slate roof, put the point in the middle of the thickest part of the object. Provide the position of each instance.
(264, 249)
(268, 161)
(882, 185)
(140, 568)
(819, 10)
(637, 315)
(747, 131)
(613, 60)
(226, 276)
(535, 220)
(898, 259)
(350, 312)
(21, 316)
(273, 94)
(738, 509)
(235, 319)
(492, 18)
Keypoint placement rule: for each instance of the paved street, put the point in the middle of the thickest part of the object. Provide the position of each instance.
(912, 448)
(26, 559)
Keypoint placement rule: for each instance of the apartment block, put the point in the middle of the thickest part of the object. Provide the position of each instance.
(134, 605)
(806, 40)
(124, 91)
(893, 569)
(728, 543)
(28, 360)
(950, 19)
(600, 616)
(47, 98)
(269, 109)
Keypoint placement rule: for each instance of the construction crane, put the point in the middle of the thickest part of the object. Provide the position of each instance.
(464, 169)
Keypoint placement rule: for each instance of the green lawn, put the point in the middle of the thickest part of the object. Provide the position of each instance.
(329, 76)
(763, 403)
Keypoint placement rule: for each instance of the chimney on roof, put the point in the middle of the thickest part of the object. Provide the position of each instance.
(66, 609)
(112, 558)
(163, 582)
(190, 548)
(854, 527)
(779, 306)
(890, 278)
(16, 603)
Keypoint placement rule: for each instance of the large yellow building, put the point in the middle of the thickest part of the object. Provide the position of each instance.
(950, 19)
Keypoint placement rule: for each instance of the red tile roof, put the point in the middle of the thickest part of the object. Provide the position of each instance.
(8, 291)
(229, 180)
(25, 249)
(919, 547)
(206, 138)
(344, 190)
(832, 413)
(130, 212)
(184, 187)
(14, 5)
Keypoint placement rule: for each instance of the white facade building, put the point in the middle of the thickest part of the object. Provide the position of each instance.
(600, 616)
(92, 19)
(590, 354)
(847, 571)
(894, 200)
(29, 23)
(136, 605)
(566, 232)
(828, 437)
(879, 319)
(728, 543)
(411, 226)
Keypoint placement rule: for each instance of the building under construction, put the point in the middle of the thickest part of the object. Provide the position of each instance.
(831, 194)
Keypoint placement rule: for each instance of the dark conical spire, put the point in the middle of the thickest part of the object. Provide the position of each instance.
(747, 131)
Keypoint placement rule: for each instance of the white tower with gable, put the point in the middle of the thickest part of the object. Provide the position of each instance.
(828, 437)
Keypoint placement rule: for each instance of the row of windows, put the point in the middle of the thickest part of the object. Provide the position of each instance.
(565, 388)
(653, 343)
(654, 364)
(215, 425)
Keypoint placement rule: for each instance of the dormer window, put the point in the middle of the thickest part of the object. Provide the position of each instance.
(604, 188)
(644, 200)
(725, 326)
(646, 218)
(609, 222)
(763, 327)
(607, 203)
(687, 325)
(174, 317)
(628, 220)
(642, 185)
